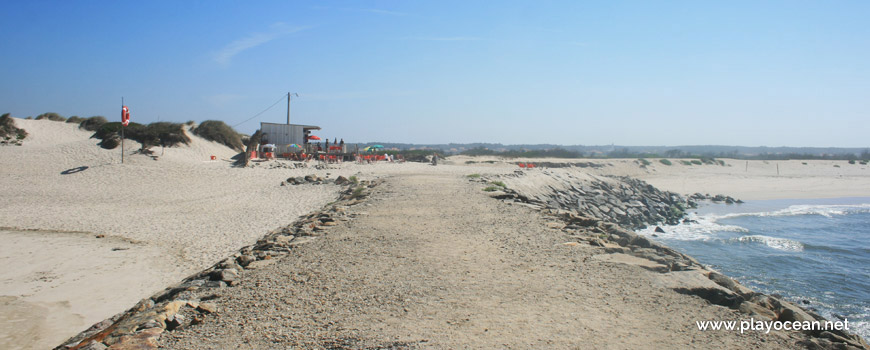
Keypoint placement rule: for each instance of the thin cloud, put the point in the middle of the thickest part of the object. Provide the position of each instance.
(276, 30)
(380, 12)
(369, 10)
(448, 38)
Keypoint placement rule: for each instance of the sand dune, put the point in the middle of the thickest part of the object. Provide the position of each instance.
(176, 215)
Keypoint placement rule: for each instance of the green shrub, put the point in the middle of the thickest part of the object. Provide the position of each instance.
(358, 193)
(685, 162)
(851, 161)
(696, 162)
(498, 183)
(491, 188)
(643, 162)
(166, 134)
(110, 142)
(93, 123)
(75, 119)
(665, 161)
(220, 132)
(354, 179)
(155, 134)
(51, 116)
(473, 176)
(8, 128)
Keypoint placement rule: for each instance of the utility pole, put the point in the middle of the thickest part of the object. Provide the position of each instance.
(289, 94)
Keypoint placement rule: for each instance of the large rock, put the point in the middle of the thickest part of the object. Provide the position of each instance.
(144, 339)
(225, 275)
(757, 311)
(730, 284)
(791, 313)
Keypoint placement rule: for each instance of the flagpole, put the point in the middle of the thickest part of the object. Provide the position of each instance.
(122, 130)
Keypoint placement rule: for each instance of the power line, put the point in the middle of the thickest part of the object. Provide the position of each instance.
(264, 111)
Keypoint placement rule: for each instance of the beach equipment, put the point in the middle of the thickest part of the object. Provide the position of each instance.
(314, 137)
(125, 120)
(125, 115)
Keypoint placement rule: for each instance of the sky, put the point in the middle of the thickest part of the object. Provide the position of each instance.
(748, 73)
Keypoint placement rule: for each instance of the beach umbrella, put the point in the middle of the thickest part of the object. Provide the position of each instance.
(314, 137)
(377, 146)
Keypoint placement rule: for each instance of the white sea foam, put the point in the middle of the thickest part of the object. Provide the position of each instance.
(695, 229)
(785, 244)
(823, 210)
(705, 227)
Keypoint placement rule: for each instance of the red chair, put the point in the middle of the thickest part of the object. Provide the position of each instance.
(530, 165)
(522, 165)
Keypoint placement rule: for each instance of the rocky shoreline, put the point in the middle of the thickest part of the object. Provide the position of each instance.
(597, 211)
(190, 301)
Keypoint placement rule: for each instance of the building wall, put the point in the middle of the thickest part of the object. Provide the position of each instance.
(282, 135)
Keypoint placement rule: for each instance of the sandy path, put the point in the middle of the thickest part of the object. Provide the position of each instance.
(431, 262)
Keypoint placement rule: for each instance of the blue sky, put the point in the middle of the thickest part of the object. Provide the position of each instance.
(773, 73)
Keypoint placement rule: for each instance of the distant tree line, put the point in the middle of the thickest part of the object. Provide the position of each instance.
(625, 153)
(544, 153)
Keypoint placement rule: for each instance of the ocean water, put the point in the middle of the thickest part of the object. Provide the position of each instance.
(813, 252)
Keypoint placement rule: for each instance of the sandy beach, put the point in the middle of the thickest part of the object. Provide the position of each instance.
(161, 220)
(752, 179)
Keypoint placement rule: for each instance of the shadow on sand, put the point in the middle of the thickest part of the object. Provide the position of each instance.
(74, 170)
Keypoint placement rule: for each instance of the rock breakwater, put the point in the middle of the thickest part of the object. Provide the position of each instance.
(626, 201)
(597, 210)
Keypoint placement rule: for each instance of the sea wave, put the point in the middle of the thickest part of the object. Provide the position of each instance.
(705, 228)
(695, 228)
(784, 244)
(795, 210)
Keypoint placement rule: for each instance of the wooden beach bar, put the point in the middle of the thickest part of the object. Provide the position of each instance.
(292, 141)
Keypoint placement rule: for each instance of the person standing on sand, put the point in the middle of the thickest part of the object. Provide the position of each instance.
(434, 158)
